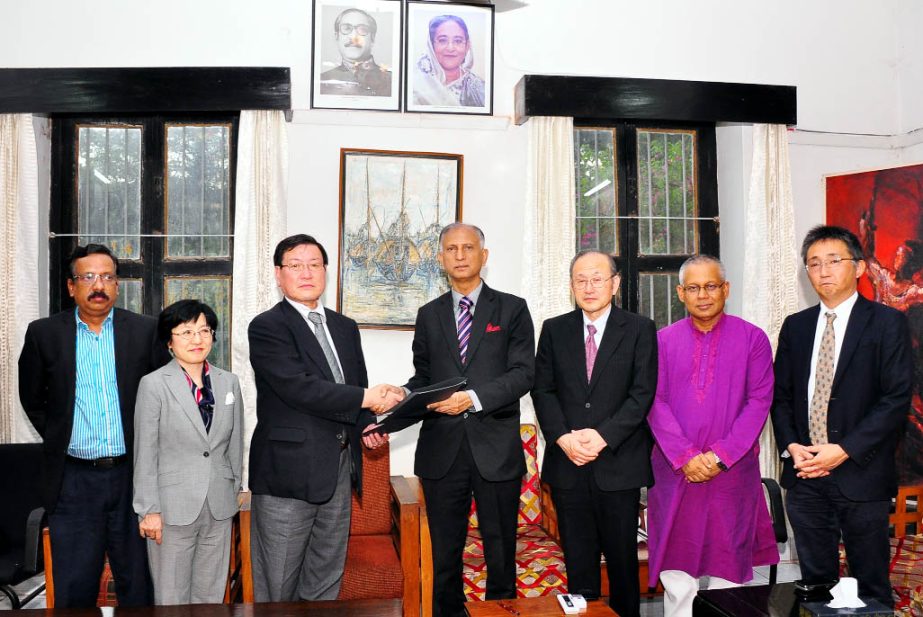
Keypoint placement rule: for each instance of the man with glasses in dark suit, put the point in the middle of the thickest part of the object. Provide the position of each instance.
(844, 376)
(78, 377)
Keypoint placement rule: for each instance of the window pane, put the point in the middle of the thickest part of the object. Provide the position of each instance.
(109, 188)
(658, 299)
(130, 295)
(198, 197)
(216, 293)
(594, 159)
(666, 192)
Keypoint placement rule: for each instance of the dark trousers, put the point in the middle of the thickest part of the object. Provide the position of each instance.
(448, 501)
(93, 518)
(592, 521)
(819, 514)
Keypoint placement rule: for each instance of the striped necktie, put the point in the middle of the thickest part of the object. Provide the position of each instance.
(464, 326)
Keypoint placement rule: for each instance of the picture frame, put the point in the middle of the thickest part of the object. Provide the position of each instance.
(392, 207)
(441, 78)
(884, 208)
(352, 70)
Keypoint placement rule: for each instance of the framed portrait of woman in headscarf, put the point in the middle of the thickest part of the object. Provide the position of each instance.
(449, 58)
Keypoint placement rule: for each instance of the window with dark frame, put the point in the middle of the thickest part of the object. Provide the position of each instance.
(159, 191)
(647, 194)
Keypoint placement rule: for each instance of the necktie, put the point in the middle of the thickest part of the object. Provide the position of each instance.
(823, 381)
(318, 320)
(464, 326)
(590, 350)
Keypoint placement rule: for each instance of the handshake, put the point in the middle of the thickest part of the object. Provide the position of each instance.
(381, 398)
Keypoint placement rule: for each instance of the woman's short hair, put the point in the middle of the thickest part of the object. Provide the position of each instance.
(437, 21)
(181, 312)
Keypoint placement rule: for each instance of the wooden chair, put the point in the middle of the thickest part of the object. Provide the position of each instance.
(383, 555)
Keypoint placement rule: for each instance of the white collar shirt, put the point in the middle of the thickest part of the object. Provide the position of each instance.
(304, 311)
(843, 311)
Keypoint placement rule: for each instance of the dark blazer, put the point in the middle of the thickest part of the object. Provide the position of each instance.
(615, 401)
(48, 374)
(500, 368)
(300, 409)
(869, 400)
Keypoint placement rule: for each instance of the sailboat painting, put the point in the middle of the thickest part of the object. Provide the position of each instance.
(392, 207)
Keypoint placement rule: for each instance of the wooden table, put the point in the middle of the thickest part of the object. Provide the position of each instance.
(339, 608)
(546, 606)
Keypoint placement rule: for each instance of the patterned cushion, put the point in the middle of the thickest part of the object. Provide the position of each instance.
(530, 506)
(539, 564)
(907, 572)
(106, 595)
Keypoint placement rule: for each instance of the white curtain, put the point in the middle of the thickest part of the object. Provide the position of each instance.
(550, 237)
(259, 224)
(18, 263)
(771, 259)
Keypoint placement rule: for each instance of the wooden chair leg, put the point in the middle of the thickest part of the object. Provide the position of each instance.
(49, 571)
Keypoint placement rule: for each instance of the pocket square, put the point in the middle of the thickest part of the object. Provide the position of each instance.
(492, 328)
(229, 399)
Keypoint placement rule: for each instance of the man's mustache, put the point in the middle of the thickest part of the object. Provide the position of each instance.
(98, 294)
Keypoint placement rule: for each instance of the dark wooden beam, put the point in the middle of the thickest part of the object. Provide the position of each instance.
(612, 98)
(144, 90)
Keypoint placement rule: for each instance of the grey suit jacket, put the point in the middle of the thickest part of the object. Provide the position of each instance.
(177, 464)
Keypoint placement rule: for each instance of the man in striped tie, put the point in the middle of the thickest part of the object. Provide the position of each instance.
(470, 445)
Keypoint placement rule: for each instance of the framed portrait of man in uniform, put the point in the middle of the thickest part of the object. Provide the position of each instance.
(356, 54)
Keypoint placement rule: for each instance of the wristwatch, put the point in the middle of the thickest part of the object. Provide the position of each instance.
(721, 465)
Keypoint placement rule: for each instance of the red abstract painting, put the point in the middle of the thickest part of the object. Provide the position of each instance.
(885, 209)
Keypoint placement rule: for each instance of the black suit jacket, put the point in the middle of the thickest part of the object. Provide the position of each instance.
(500, 368)
(869, 399)
(615, 402)
(48, 375)
(300, 409)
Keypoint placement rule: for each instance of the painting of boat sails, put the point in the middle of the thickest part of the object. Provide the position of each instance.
(392, 207)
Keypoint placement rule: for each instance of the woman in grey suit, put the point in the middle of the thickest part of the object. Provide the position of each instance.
(188, 453)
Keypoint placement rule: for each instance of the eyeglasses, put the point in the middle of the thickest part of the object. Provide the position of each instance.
(299, 267)
(347, 29)
(205, 334)
(508, 607)
(815, 265)
(596, 282)
(709, 288)
(89, 278)
(445, 41)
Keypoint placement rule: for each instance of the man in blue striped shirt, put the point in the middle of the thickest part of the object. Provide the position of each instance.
(78, 377)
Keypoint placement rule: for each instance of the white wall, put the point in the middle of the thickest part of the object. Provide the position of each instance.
(494, 198)
(857, 66)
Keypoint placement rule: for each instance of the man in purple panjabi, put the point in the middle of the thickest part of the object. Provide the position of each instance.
(707, 516)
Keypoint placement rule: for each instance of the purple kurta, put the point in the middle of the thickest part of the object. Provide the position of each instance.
(713, 393)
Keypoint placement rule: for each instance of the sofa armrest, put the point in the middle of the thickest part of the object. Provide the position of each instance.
(405, 530)
(549, 515)
(246, 562)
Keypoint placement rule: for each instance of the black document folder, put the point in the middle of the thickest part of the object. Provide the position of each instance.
(413, 407)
